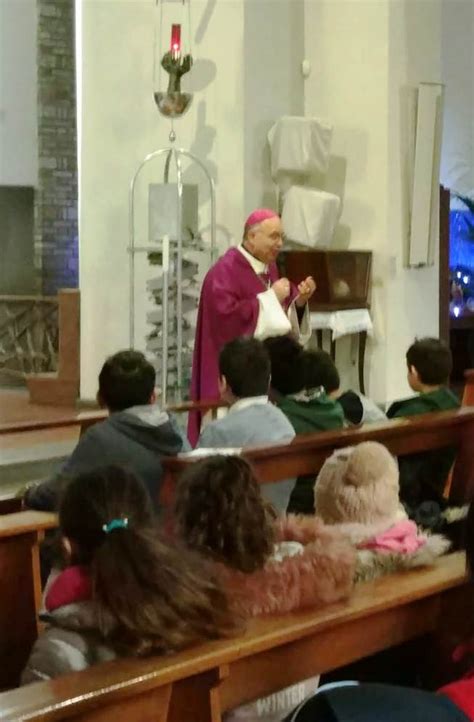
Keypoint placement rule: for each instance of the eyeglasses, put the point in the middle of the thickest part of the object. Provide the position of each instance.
(275, 236)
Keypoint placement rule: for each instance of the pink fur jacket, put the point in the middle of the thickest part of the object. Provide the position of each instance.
(313, 565)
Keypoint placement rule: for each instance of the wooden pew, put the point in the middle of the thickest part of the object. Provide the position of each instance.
(83, 419)
(198, 685)
(307, 452)
(20, 595)
(10, 504)
(86, 419)
(468, 394)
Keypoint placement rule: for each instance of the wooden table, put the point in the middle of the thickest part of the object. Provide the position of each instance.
(362, 336)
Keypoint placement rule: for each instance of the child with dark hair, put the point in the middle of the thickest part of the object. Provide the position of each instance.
(267, 565)
(124, 591)
(126, 380)
(220, 512)
(284, 352)
(252, 420)
(307, 407)
(320, 370)
(136, 435)
(423, 476)
(244, 367)
(310, 408)
(429, 364)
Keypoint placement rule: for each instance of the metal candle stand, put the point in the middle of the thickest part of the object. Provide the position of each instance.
(172, 154)
(171, 63)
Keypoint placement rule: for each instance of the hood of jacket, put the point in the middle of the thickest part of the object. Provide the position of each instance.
(313, 411)
(151, 427)
(320, 574)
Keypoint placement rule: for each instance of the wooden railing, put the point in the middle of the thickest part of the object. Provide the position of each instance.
(28, 334)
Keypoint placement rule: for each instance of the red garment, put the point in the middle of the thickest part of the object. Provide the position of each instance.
(228, 308)
(71, 585)
(462, 694)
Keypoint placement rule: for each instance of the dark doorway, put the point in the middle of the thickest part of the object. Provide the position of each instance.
(17, 272)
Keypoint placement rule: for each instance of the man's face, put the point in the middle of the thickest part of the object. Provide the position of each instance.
(265, 240)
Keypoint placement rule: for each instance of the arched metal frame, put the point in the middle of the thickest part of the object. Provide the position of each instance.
(176, 154)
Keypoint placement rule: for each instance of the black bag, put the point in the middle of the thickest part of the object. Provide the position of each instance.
(376, 703)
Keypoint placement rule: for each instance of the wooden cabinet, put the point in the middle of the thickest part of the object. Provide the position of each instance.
(342, 277)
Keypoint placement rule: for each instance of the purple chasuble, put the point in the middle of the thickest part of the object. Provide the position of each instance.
(228, 308)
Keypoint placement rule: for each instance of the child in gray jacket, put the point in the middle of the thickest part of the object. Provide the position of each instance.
(136, 435)
(252, 420)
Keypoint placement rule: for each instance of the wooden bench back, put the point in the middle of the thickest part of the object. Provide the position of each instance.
(303, 456)
(85, 419)
(468, 394)
(307, 452)
(20, 593)
(202, 683)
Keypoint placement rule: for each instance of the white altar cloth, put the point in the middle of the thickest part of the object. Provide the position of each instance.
(342, 323)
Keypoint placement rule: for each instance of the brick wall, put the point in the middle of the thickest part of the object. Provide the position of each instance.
(56, 236)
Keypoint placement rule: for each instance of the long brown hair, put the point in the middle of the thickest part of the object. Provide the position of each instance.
(220, 512)
(150, 596)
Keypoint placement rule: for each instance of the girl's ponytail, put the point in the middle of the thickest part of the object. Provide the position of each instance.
(149, 596)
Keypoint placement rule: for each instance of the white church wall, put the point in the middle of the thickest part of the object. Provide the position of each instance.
(120, 125)
(18, 114)
(347, 46)
(363, 55)
(457, 160)
(412, 293)
(273, 86)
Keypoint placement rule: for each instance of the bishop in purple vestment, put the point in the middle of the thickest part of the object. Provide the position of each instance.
(242, 295)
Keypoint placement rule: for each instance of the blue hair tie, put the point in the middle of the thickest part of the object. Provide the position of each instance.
(115, 524)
